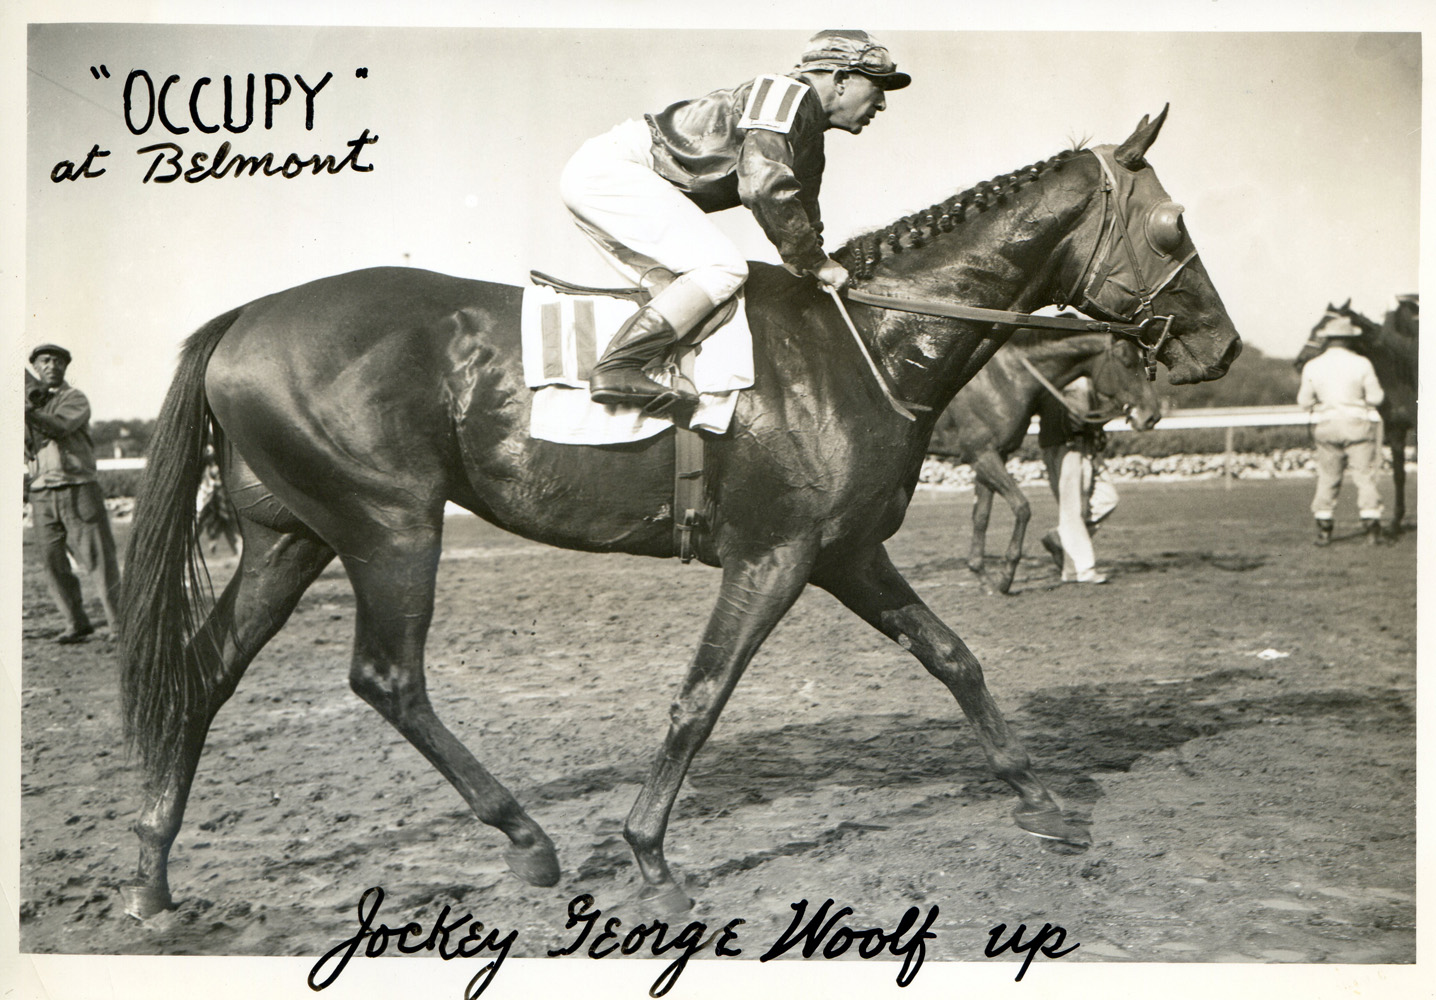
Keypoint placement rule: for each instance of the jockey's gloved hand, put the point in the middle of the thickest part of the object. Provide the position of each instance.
(831, 274)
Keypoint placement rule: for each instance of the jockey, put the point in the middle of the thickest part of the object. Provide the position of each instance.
(641, 192)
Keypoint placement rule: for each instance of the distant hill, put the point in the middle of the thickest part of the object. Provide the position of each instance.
(1255, 380)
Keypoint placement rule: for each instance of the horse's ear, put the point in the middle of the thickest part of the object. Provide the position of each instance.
(1132, 152)
(1346, 306)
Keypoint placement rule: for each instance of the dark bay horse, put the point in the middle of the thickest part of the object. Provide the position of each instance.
(985, 423)
(348, 411)
(1391, 347)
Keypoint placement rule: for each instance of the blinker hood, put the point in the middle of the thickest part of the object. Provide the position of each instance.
(1154, 246)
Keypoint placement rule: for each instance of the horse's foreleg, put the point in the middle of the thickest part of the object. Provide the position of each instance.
(1397, 440)
(394, 593)
(981, 514)
(991, 472)
(873, 588)
(755, 593)
(273, 574)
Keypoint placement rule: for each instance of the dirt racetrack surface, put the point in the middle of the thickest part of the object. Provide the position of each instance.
(1244, 808)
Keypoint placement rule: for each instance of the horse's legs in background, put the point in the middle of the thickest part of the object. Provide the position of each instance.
(394, 603)
(991, 472)
(981, 513)
(1396, 437)
(274, 571)
(872, 588)
(756, 591)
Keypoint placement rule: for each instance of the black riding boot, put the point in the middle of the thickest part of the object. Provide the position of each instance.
(618, 377)
(1323, 531)
(1373, 531)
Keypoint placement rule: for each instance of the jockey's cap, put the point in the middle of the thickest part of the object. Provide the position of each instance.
(856, 52)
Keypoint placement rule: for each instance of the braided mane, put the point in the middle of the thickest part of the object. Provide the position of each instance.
(861, 254)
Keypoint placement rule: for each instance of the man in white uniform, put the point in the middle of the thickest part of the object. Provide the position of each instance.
(1072, 451)
(1339, 386)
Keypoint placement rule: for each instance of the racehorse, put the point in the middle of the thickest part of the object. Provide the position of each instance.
(985, 423)
(349, 410)
(1391, 347)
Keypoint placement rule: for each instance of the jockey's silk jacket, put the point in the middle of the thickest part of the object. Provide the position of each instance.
(700, 147)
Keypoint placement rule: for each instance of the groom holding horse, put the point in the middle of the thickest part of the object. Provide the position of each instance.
(642, 190)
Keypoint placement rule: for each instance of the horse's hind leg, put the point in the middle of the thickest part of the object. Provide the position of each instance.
(274, 571)
(394, 591)
(872, 587)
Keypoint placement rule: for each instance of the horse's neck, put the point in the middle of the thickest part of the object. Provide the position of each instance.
(1391, 348)
(1009, 256)
(1062, 359)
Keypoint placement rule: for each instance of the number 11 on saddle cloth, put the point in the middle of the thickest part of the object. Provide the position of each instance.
(564, 335)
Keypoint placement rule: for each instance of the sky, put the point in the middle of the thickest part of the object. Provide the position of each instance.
(1297, 156)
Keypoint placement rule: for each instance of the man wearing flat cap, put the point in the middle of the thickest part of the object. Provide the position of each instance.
(1339, 386)
(642, 191)
(66, 502)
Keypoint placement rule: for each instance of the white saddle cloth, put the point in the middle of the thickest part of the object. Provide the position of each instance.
(563, 337)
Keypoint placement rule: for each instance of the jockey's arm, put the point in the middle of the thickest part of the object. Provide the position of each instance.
(769, 187)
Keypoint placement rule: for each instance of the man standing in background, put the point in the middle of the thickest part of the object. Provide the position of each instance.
(1339, 386)
(1072, 442)
(66, 502)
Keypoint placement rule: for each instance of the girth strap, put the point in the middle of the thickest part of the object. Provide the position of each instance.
(687, 479)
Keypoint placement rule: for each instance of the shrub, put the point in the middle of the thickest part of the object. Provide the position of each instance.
(120, 482)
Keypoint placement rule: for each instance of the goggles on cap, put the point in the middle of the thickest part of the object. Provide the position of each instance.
(858, 55)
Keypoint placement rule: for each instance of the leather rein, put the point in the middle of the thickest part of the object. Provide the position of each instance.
(1003, 317)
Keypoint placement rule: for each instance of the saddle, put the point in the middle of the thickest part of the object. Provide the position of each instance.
(688, 474)
(653, 282)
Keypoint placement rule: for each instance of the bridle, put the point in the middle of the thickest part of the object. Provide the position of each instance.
(1116, 284)
(1098, 416)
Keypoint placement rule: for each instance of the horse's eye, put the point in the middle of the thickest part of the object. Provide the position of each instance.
(1164, 227)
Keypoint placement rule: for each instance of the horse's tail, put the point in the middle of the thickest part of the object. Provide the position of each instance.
(166, 591)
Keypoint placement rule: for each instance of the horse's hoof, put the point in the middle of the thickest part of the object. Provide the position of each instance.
(143, 901)
(536, 865)
(984, 582)
(1055, 825)
(663, 900)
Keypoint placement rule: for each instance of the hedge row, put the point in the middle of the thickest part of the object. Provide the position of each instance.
(1259, 451)
(1275, 464)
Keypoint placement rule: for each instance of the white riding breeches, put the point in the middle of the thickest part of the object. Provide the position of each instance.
(1084, 499)
(638, 219)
